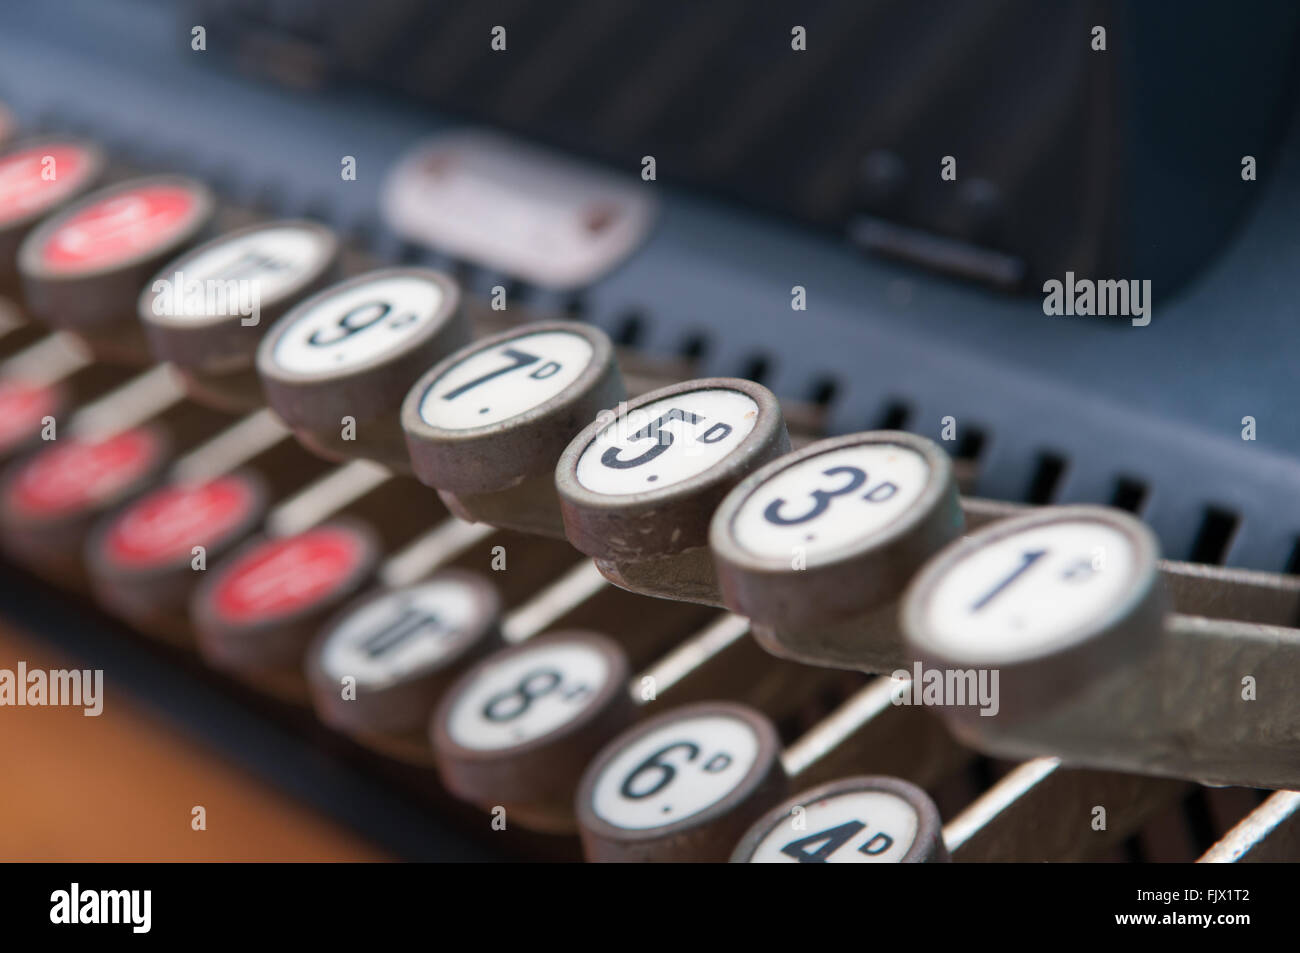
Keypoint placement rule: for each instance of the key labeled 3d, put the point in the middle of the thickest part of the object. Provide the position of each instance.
(817, 546)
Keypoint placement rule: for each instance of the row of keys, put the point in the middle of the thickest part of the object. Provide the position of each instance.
(618, 474)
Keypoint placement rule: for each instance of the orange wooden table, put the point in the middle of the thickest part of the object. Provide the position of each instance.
(122, 787)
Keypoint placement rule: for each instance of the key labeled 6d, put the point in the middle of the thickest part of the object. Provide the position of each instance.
(817, 546)
(682, 786)
(485, 426)
(637, 491)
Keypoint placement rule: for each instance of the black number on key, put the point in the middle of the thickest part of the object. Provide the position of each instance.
(831, 840)
(655, 763)
(822, 498)
(402, 628)
(353, 322)
(510, 704)
(1027, 559)
(652, 431)
(518, 358)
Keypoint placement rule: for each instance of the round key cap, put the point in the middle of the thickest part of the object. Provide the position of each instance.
(50, 500)
(35, 179)
(24, 409)
(518, 729)
(486, 425)
(1051, 600)
(207, 311)
(143, 561)
(83, 269)
(353, 351)
(683, 786)
(637, 491)
(867, 820)
(258, 610)
(817, 547)
(379, 667)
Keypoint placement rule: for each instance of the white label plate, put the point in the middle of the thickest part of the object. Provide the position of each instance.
(696, 763)
(831, 501)
(407, 632)
(505, 380)
(366, 322)
(857, 827)
(1030, 591)
(525, 697)
(667, 441)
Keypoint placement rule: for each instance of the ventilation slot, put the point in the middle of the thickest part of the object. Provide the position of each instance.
(970, 443)
(894, 417)
(574, 306)
(1130, 494)
(823, 391)
(1047, 477)
(694, 347)
(1214, 536)
(628, 330)
(755, 369)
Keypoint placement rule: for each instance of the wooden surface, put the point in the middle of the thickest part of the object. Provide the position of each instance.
(122, 787)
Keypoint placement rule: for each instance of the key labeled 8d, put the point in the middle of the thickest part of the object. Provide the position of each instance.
(520, 726)
(865, 820)
(637, 491)
(353, 351)
(817, 546)
(485, 426)
(682, 786)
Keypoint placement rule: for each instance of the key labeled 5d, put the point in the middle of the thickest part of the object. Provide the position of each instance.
(637, 488)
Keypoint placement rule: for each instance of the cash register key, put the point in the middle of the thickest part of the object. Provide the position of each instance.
(36, 178)
(82, 269)
(378, 668)
(486, 425)
(146, 560)
(683, 786)
(816, 547)
(518, 728)
(51, 499)
(258, 610)
(863, 820)
(337, 367)
(25, 409)
(207, 310)
(638, 487)
(1054, 601)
